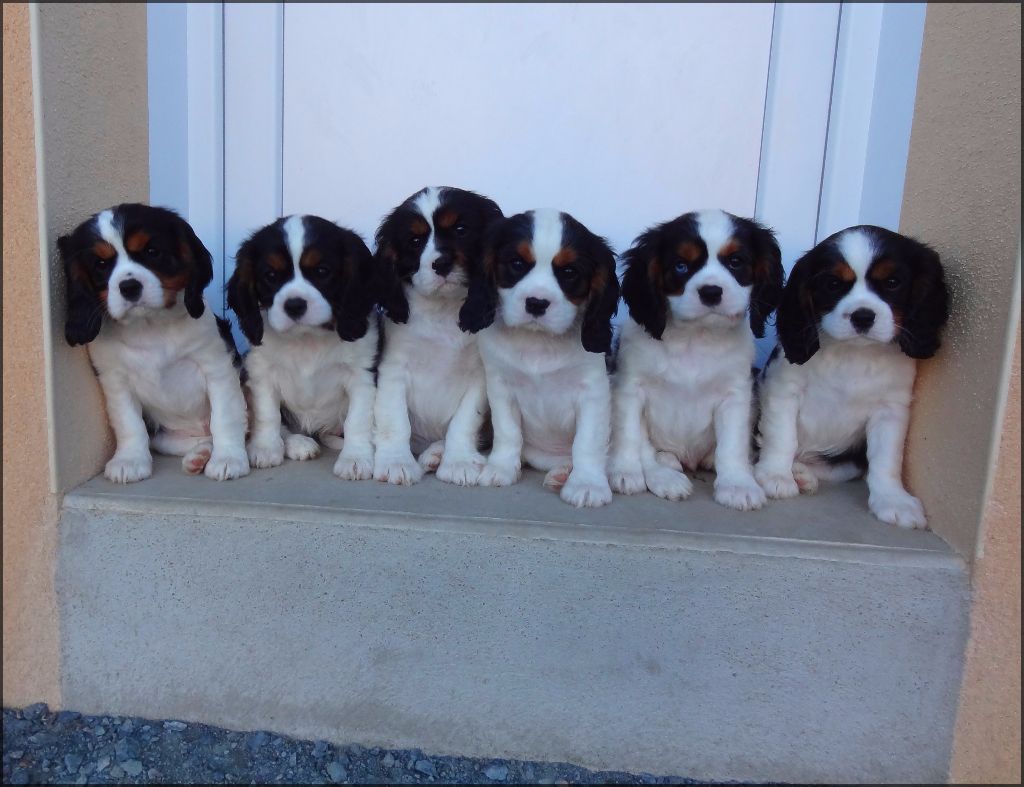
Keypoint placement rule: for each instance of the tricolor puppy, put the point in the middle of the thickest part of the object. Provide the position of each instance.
(302, 290)
(545, 295)
(431, 396)
(699, 288)
(135, 280)
(858, 310)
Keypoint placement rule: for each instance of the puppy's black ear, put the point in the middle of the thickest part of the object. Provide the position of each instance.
(929, 304)
(481, 302)
(596, 332)
(352, 314)
(194, 252)
(387, 285)
(242, 298)
(797, 324)
(768, 275)
(84, 309)
(641, 288)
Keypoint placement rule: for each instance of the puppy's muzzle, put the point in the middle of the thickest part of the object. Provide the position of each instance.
(862, 320)
(295, 307)
(131, 289)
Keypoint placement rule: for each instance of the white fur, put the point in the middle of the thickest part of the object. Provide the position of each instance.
(318, 310)
(855, 388)
(550, 399)
(125, 268)
(431, 396)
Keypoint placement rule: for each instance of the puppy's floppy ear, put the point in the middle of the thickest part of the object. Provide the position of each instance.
(194, 252)
(640, 287)
(481, 304)
(352, 313)
(768, 275)
(929, 303)
(386, 284)
(596, 332)
(84, 309)
(242, 299)
(797, 324)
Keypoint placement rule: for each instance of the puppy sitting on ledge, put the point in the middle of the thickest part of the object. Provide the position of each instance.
(135, 280)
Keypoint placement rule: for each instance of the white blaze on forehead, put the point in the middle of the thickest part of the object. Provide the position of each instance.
(295, 240)
(105, 226)
(427, 204)
(716, 228)
(547, 236)
(858, 250)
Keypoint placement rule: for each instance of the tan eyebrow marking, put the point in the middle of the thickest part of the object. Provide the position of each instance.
(731, 246)
(882, 269)
(104, 250)
(310, 258)
(419, 226)
(842, 270)
(447, 219)
(137, 241)
(689, 251)
(525, 250)
(566, 256)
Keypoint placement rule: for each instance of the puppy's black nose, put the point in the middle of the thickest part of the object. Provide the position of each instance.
(862, 320)
(443, 266)
(131, 289)
(537, 306)
(295, 307)
(710, 295)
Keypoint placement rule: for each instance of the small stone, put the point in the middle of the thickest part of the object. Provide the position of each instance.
(83, 779)
(154, 775)
(177, 726)
(425, 767)
(496, 773)
(126, 727)
(102, 764)
(528, 774)
(337, 772)
(256, 741)
(20, 777)
(356, 749)
(17, 754)
(388, 761)
(36, 711)
(116, 772)
(99, 730)
(67, 715)
(132, 767)
(320, 749)
(87, 769)
(72, 762)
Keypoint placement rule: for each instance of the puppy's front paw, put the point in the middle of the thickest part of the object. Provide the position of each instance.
(431, 458)
(498, 474)
(129, 467)
(397, 469)
(898, 508)
(354, 467)
(266, 452)
(586, 489)
(668, 484)
(227, 464)
(777, 486)
(806, 480)
(739, 492)
(461, 471)
(300, 447)
(626, 479)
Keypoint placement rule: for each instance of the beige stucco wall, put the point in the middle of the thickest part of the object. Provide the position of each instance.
(93, 81)
(962, 195)
(31, 641)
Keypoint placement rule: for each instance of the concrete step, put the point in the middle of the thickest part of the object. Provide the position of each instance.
(803, 642)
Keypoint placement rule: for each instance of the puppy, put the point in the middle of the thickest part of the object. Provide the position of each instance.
(857, 312)
(309, 282)
(431, 395)
(548, 291)
(135, 280)
(699, 288)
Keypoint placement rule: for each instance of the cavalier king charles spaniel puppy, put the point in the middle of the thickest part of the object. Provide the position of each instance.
(857, 312)
(699, 288)
(546, 294)
(302, 290)
(135, 280)
(431, 396)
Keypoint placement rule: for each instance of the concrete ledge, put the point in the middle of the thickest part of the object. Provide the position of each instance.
(805, 642)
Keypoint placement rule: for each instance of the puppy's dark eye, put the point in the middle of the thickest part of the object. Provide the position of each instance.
(460, 230)
(271, 275)
(103, 265)
(152, 251)
(734, 261)
(416, 241)
(893, 283)
(321, 271)
(832, 284)
(569, 273)
(517, 265)
(682, 267)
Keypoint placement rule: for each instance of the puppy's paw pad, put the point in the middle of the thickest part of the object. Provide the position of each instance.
(743, 495)
(777, 486)
(498, 475)
(900, 509)
(431, 458)
(626, 482)
(402, 471)
(224, 466)
(128, 469)
(265, 453)
(806, 480)
(353, 467)
(195, 461)
(300, 447)
(556, 477)
(669, 484)
(461, 472)
(586, 491)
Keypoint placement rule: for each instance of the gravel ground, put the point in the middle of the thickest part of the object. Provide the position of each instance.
(69, 748)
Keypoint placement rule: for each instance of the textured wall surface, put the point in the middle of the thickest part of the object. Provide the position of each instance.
(31, 667)
(96, 154)
(962, 196)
